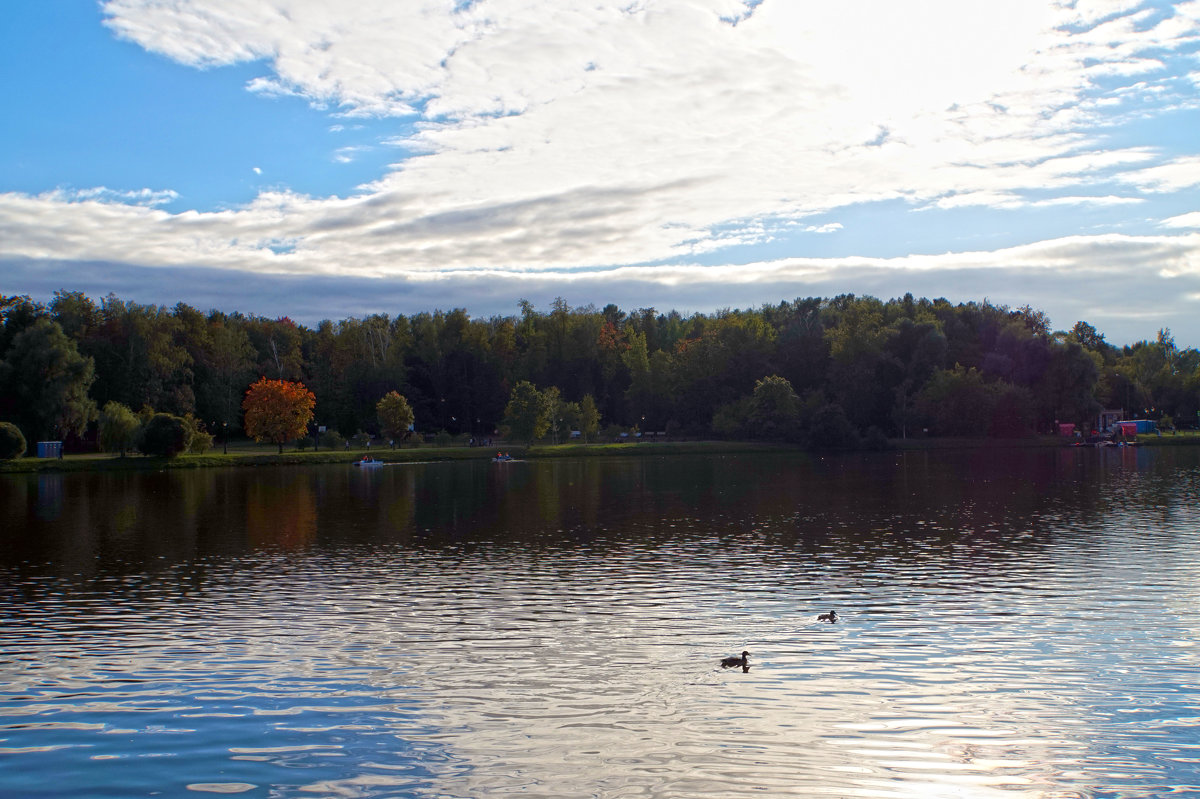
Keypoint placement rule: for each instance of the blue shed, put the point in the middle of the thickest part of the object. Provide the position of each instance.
(49, 449)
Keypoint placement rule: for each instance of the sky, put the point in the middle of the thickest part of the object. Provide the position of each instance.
(323, 160)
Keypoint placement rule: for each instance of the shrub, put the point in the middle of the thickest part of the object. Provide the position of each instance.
(201, 442)
(165, 436)
(12, 442)
(303, 442)
(332, 439)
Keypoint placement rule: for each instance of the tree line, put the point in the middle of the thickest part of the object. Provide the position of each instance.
(826, 372)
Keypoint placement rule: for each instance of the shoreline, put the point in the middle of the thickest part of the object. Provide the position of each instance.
(101, 462)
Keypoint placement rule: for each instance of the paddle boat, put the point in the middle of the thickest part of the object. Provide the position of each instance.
(368, 461)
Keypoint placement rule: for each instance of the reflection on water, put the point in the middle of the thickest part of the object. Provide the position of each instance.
(1011, 624)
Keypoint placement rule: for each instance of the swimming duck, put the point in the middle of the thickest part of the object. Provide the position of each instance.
(732, 662)
(830, 617)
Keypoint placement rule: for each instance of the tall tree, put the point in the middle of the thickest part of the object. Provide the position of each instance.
(774, 408)
(278, 411)
(44, 382)
(526, 414)
(395, 415)
(229, 359)
(557, 414)
(589, 418)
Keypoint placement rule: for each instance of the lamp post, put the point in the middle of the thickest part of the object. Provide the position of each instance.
(224, 438)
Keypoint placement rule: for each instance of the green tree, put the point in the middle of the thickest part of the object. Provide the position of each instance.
(732, 420)
(16, 315)
(572, 413)
(118, 428)
(774, 407)
(830, 429)
(527, 414)
(395, 415)
(956, 402)
(556, 413)
(589, 418)
(960, 402)
(141, 357)
(229, 358)
(1067, 388)
(44, 382)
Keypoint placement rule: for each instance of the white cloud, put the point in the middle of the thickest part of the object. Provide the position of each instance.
(557, 135)
(101, 194)
(1188, 220)
(358, 236)
(1087, 200)
(1175, 175)
(347, 155)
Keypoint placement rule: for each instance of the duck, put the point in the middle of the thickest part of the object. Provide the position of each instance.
(732, 662)
(830, 617)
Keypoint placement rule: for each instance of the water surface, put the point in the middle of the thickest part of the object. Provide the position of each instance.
(1014, 623)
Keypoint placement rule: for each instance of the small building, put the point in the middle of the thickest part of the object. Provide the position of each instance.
(49, 449)
(1132, 427)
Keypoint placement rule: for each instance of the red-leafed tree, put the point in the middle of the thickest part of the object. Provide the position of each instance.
(278, 410)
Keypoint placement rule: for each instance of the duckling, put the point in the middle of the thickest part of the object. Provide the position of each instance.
(732, 662)
(830, 617)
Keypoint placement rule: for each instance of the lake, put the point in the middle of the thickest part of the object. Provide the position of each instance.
(1012, 623)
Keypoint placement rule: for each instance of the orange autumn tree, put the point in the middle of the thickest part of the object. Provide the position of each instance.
(278, 411)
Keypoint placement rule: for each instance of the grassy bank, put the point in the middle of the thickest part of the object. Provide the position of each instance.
(257, 455)
(1179, 439)
(253, 455)
(979, 443)
(249, 454)
(653, 449)
(235, 457)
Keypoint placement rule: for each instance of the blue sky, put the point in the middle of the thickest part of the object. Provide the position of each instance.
(324, 160)
(88, 109)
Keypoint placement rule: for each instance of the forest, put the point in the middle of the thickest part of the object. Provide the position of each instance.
(837, 372)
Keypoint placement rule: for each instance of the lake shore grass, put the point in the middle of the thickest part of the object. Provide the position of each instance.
(242, 454)
(264, 455)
